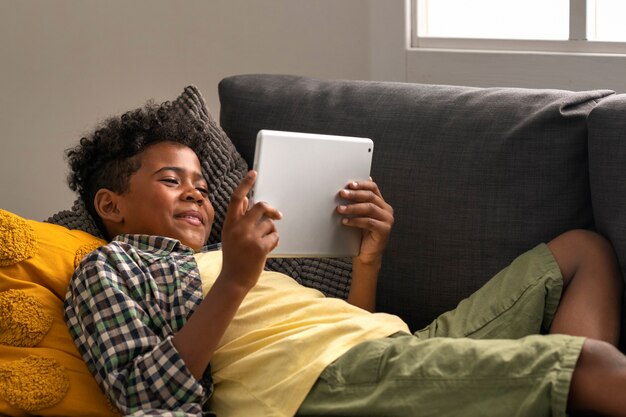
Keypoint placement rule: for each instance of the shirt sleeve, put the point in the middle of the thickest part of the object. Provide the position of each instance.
(127, 348)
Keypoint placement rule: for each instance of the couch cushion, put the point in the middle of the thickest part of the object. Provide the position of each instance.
(41, 371)
(476, 176)
(607, 164)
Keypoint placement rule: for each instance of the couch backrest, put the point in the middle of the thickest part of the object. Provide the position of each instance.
(607, 171)
(476, 176)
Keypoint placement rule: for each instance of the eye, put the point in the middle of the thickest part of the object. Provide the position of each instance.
(203, 191)
(169, 180)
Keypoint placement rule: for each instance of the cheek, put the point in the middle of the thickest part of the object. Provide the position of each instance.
(209, 207)
(210, 214)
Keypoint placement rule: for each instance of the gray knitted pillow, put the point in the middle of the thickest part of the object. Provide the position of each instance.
(224, 168)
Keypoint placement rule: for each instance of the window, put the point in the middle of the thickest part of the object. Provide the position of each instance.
(554, 25)
(605, 20)
(493, 19)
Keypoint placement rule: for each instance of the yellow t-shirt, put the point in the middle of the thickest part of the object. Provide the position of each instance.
(280, 341)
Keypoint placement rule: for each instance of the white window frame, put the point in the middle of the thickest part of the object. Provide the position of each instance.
(575, 64)
(577, 42)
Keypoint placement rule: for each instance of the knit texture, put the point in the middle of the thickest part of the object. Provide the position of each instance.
(33, 383)
(18, 239)
(41, 371)
(84, 250)
(23, 320)
(223, 167)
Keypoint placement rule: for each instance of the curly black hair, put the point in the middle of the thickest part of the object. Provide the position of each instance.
(106, 157)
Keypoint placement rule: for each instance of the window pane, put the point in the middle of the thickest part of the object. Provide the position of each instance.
(605, 20)
(494, 19)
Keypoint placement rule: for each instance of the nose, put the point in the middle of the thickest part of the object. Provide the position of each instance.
(193, 194)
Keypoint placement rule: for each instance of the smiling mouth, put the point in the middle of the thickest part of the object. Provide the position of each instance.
(193, 219)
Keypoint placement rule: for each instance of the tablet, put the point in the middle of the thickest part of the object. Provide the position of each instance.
(301, 174)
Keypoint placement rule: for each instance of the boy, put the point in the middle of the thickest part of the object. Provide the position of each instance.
(153, 341)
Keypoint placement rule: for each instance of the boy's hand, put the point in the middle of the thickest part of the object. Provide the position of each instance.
(248, 235)
(368, 211)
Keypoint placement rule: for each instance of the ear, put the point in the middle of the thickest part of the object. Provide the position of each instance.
(106, 203)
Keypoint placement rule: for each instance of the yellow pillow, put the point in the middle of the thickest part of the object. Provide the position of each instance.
(41, 371)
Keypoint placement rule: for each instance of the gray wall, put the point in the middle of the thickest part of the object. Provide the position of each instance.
(67, 64)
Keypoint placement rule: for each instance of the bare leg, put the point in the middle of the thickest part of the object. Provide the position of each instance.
(593, 287)
(599, 381)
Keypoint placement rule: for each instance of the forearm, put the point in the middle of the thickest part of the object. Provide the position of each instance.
(248, 236)
(199, 338)
(364, 282)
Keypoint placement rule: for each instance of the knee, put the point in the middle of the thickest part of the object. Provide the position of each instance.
(599, 365)
(582, 241)
(580, 248)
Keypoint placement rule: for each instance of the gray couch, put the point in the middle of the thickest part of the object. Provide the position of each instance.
(476, 176)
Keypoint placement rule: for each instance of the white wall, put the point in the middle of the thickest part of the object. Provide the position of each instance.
(67, 64)
(517, 69)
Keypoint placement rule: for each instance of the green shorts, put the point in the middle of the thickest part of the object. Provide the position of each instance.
(485, 358)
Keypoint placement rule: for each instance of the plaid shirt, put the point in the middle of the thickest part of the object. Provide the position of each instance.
(124, 304)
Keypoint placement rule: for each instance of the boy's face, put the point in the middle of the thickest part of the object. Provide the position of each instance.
(168, 196)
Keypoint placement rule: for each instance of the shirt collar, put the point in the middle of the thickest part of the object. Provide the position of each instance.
(158, 245)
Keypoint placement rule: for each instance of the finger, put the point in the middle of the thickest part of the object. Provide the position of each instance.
(266, 226)
(366, 210)
(368, 223)
(361, 196)
(263, 209)
(271, 241)
(239, 201)
(364, 185)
